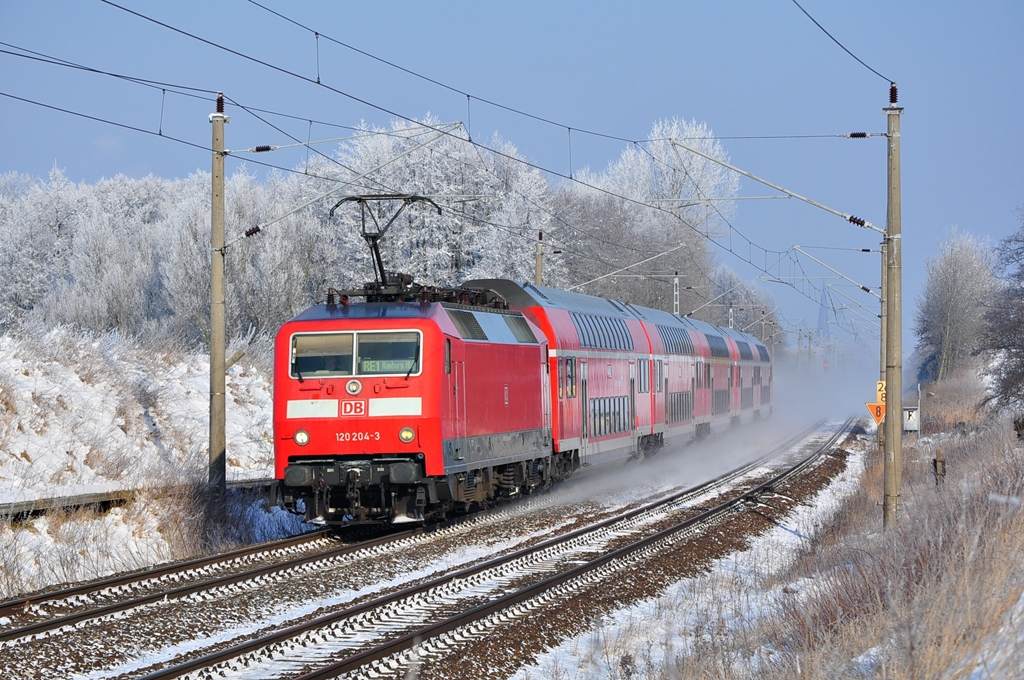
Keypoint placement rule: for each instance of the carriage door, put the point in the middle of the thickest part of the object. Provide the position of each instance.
(633, 396)
(455, 364)
(632, 407)
(584, 414)
(545, 390)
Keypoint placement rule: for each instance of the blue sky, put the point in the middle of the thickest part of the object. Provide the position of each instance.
(747, 69)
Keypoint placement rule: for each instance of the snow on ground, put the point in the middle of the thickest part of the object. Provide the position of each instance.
(81, 414)
(85, 415)
(736, 591)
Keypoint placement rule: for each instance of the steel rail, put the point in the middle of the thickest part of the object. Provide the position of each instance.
(296, 630)
(410, 640)
(38, 506)
(156, 572)
(207, 584)
(178, 593)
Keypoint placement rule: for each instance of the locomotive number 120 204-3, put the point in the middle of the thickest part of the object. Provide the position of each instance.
(357, 436)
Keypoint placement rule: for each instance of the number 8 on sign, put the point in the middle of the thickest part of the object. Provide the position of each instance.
(877, 411)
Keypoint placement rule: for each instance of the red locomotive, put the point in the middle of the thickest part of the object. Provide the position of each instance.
(420, 402)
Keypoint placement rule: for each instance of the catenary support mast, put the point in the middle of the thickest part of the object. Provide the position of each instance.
(894, 322)
(218, 440)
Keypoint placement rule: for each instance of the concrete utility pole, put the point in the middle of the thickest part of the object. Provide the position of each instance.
(882, 339)
(894, 325)
(218, 440)
(675, 294)
(540, 259)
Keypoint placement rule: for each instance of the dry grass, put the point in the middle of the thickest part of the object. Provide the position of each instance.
(923, 599)
(937, 596)
(920, 600)
(172, 522)
(958, 399)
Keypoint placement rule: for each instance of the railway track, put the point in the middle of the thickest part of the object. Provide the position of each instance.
(66, 622)
(42, 612)
(376, 638)
(30, 622)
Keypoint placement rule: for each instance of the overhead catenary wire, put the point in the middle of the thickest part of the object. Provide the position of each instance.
(846, 216)
(350, 182)
(188, 91)
(267, 64)
(133, 128)
(833, 38)
(393, 113)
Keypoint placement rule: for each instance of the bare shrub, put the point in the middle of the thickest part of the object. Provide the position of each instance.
(955, 400)
(180, 508)
(9, 408)
(922, 598)
(243, 517)
(8, 395)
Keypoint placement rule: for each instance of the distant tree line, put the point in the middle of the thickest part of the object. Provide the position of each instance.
(970, 315)
(133, 255)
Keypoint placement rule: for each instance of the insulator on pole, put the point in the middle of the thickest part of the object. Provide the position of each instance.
(856, 220)
(220, 102)
(252, 231)
(893, 94)
(857, 135)
(262, 148)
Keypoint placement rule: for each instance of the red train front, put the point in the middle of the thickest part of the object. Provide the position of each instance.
(389, 411)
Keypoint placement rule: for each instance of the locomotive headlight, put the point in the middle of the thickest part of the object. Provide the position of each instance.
(353, 387)
(406, 434)
(301, 437)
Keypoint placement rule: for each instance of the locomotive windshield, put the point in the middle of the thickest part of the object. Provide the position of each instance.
(385, 353)
(343, 354)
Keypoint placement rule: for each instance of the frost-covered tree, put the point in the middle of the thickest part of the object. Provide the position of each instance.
(950, 312)
(112, 280)
(1003, 335)
(133, 255)
(658, 201)
(750, 308)
(492, 204)
(38, 221)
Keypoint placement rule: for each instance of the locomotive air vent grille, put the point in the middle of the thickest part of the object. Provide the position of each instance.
(520, 329)
(469, 327)
(745, 353)
(534, 289)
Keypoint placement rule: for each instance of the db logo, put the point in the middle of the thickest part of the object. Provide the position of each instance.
(353, 408)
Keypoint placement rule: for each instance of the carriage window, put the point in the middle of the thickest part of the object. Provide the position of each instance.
(447, 355)
(561, 377)
(322, 354)
(570, 377)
